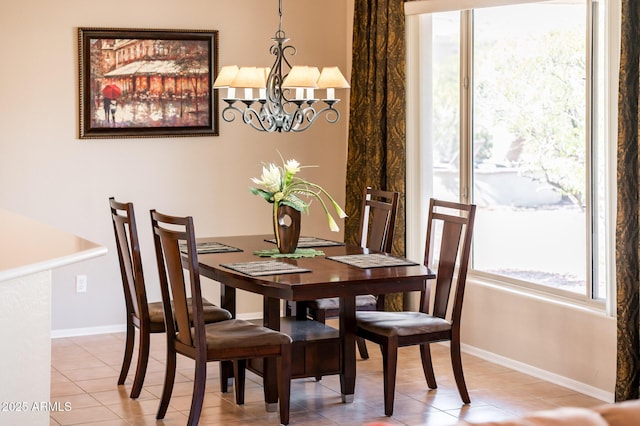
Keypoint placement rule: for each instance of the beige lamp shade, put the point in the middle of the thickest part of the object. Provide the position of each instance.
(267, 70)
(302, 77)
(314, 73)
(226, 76)
(331, 77)
(250, 77)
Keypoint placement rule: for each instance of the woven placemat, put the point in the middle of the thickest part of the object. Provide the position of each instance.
(300, 252)
(376, 260)
(265, 267)
(211, 247)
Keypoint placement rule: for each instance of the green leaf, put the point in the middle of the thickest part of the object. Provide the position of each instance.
(300, 252)
(264, 194)
(296, 203)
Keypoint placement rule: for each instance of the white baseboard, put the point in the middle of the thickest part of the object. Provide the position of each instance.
(88, 331)
(539, 373)
(118, 328)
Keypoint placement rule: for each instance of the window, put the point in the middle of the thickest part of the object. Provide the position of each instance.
(512, 117)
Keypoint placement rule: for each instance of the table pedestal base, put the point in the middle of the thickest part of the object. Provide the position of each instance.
(316, 349)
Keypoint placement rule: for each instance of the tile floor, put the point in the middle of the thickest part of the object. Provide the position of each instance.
(85, 371)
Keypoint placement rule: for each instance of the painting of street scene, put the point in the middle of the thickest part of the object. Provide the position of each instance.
(141, 83)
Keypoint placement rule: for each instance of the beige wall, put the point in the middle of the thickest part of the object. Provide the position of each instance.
(560, 342)
(47, 173)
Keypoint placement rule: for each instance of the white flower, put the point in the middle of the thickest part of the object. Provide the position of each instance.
(270, 178)
(341, 213)
(292, 166)
(333, 226)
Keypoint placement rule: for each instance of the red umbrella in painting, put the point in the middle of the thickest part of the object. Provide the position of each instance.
(111, 91)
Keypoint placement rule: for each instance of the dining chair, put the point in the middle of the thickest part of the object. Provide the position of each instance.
(377, 227)
(449, 233)
(231, 340)
(146, 316)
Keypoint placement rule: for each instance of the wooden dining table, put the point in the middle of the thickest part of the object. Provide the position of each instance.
(318, 349)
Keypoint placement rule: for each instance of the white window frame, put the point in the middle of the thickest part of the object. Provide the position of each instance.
(417, 198)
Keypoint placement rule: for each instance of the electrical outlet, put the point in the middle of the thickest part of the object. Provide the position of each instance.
(81, 283)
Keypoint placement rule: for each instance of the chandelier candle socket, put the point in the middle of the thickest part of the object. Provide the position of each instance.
(282, 188)
(278, 106)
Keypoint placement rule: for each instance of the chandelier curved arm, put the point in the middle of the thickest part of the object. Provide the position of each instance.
(229, 112)
(259, 120)
(297, 120)
(302, 118)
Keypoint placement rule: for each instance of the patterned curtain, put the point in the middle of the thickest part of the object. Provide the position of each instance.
(376, 150)
(627, 231)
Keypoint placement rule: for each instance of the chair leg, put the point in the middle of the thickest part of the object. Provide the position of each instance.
(289, 308)
(128, 353)
(199, 384)
(239, 372)
(284, 383)
(270, 381)
(390, 365)
(427, 366)
(362, 348)
(458, 374)
(226, 375)
(143, 361)
(319, 315)
(169, 379)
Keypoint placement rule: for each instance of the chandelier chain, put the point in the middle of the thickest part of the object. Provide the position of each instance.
(280, 33)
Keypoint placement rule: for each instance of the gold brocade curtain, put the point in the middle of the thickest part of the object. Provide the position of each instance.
(628, 217)
(376, 150)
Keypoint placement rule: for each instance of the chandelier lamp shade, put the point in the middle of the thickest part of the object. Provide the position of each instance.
(281, 98)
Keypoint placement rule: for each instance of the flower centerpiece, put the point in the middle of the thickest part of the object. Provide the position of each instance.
(282, 188)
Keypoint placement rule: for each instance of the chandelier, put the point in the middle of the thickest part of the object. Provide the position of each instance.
(285, 101)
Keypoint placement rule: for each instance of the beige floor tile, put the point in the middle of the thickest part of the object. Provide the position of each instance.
(77, 401)
(574, 400)
(173, 418)
(427, 418)
(64, 389)
(81, 416)
(483, 413)
(85, 371)
(100, 384)
(98, 372)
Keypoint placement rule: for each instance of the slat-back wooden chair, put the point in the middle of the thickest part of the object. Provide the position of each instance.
(450, 225)
(146, 316)
(377, 228)
(231, 340)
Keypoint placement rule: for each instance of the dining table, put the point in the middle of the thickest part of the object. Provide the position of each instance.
(334, 269)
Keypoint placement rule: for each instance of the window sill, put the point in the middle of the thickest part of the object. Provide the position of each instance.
(577, 302)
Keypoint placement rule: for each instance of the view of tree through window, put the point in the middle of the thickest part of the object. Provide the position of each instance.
(528, 151)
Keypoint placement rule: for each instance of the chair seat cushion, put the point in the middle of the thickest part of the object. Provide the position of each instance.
(334, 302)
(236, 333)
(156, 313)
(400, 323)
(212, 313)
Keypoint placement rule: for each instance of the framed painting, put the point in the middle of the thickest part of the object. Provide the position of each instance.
(147, 83)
